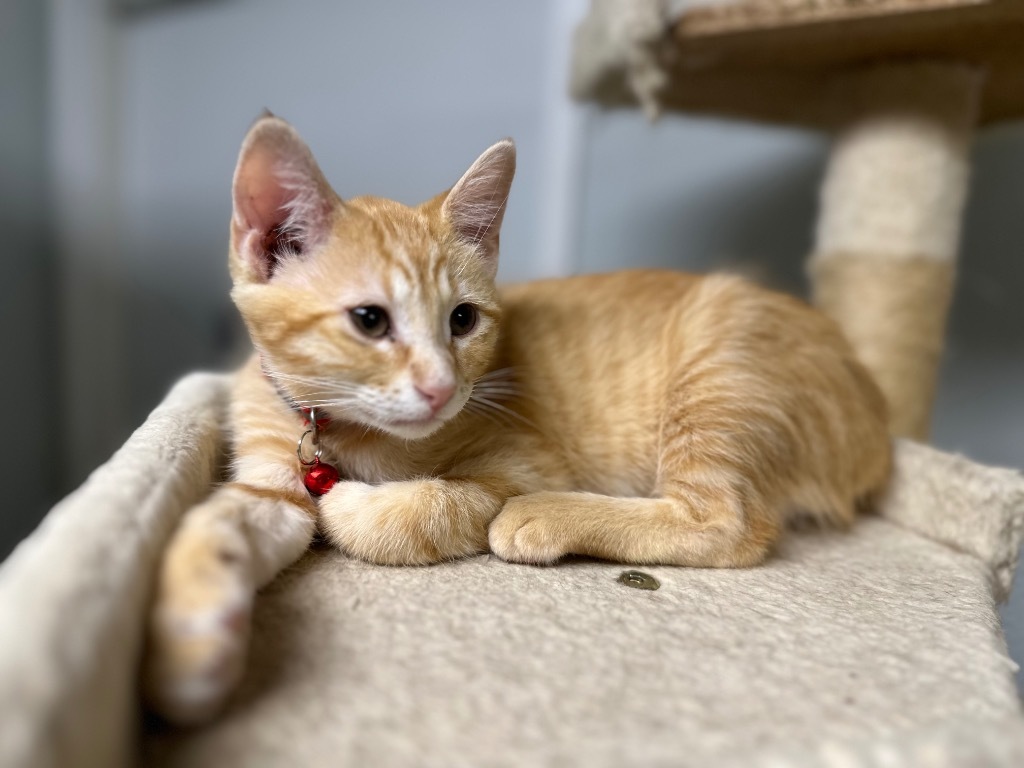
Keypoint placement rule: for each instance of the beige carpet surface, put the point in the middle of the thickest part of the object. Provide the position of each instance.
(840, 641)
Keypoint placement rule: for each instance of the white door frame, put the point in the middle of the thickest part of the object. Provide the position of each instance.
(566, 133)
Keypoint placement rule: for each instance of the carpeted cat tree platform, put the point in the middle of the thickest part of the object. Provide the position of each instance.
(878, 643)
(877, 646)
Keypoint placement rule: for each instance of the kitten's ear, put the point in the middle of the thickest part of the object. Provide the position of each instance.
(282, 203)
(475, 206)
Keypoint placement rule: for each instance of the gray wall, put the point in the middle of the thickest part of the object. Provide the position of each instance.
(31, 459)
(700, 194)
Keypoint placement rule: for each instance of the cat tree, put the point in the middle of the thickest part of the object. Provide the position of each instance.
(878, 646)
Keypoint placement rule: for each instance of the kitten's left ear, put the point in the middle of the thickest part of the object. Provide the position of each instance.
(475, 206)
(282, 202)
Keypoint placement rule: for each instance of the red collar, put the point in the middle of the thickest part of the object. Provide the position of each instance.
(319, 476)
(321, 420)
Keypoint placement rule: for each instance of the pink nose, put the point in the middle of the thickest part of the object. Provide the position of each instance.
(436, 395)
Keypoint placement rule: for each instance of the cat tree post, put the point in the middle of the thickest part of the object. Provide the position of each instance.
(884, 261)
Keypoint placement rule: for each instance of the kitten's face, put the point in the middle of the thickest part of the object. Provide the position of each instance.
(371, 311)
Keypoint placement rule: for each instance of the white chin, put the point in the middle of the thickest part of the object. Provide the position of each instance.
(418, 429)
(414, 430)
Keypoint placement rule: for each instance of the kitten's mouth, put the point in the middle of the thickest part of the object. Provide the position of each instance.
(406, 426)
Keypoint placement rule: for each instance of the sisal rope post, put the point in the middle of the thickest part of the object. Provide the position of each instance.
(884, 262)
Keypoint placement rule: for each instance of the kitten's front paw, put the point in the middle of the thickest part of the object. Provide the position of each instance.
(199, 627)
(401, 523)
(522, 534)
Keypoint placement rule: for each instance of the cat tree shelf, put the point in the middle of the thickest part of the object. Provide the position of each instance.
(881, 643)
(778, 62)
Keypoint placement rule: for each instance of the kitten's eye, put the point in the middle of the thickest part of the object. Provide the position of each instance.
(463, 319)
(372, 321)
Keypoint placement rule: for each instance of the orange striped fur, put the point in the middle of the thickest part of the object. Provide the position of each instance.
(642, 417)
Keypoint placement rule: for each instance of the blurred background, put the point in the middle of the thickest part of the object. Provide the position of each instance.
(120, 127)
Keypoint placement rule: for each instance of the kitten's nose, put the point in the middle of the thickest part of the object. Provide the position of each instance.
(436, 395)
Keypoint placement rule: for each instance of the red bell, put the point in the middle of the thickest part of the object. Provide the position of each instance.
(320, 478)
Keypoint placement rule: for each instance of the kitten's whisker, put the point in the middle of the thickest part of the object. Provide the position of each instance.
(310, 381)
(501, 390)
(502, 379)
(497, 384)
(290, 376)
(334, 402)
(507, 391)
(324, 393)
(499, 396)
(502, 409)
(504, 420)
(498, 373)
(475, 409)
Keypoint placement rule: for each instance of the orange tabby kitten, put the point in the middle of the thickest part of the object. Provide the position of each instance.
(642, 417)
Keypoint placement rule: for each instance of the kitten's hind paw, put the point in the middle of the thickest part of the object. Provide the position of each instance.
(520, 535)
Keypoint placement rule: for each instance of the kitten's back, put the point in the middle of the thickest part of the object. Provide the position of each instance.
(596, 356)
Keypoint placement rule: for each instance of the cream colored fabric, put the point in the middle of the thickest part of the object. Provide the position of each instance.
(889, 226)
(623, 36)
(838, 641)
(873, 642)
(969, 507)
(625, 39)
(897, 175)
(893, 310)
(72, 595)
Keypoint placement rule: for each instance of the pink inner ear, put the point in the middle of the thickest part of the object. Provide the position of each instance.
(259, 195)
(278, 209)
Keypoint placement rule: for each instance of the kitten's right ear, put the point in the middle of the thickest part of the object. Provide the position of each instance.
(282, 203)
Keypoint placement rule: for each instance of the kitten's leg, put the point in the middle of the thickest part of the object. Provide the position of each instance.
(223, 551)
(728, 471)
(723, 467)
(415, 522)
(718, 501)
(710, 527)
